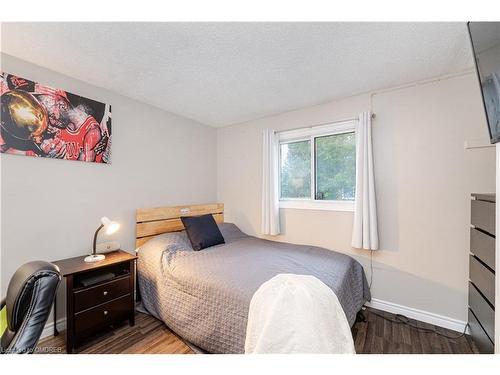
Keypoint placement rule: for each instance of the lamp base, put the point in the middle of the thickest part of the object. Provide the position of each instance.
(94, 258)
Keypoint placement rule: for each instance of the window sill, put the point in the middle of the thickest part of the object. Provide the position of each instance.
(347, 206)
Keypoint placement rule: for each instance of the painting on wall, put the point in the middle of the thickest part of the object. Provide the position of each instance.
(40, 121)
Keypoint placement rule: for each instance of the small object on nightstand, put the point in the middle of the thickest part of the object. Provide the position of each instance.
(95, 279)
(98, 295)
(111, 227)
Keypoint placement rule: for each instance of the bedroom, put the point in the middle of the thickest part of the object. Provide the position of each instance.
(349, 158)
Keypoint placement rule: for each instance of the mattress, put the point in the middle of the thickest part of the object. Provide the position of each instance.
(204, 296)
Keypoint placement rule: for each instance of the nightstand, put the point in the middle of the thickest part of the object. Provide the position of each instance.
(98, 295)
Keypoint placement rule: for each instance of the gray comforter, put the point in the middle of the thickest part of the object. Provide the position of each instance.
(204, 295)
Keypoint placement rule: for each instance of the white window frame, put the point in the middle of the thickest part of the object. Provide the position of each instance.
(309, 134)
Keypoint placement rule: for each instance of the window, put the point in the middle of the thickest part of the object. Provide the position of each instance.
(295, 167)
(318, 167)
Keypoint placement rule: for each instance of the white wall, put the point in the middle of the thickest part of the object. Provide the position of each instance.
(424, 178)
(51, 208)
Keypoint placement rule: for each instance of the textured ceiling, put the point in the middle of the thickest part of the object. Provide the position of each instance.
(225, 73)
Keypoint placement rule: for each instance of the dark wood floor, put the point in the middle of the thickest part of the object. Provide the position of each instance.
(380, 336)
(376, 335)
(148, 336)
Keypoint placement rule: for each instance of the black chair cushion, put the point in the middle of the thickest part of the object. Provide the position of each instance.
(29, 300)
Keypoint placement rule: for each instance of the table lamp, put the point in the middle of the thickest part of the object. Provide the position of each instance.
(111, 227)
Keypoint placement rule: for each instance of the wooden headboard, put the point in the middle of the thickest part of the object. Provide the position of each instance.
(153, 221)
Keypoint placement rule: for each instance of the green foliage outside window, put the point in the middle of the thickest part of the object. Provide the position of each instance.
(335, 168)
(296, 169)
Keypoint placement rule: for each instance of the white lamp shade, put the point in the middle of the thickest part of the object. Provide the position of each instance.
(110, 226)
(105, 221)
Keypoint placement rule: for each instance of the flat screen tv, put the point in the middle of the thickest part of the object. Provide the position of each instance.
(485, 40)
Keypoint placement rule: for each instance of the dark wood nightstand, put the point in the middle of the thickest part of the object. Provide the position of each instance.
(97, 295)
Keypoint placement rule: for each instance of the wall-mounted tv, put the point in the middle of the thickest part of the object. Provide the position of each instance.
(485, 40)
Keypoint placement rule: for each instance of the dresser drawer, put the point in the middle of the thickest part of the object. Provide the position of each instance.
(102, 315)
(482, 310)
(483, 215)
(482, 246)
(482, 278)
(95, 295)
(480, 337)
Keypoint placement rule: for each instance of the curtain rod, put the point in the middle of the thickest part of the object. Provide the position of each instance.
(322, 124)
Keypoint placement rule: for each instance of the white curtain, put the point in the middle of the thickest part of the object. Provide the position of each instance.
(365, 233)
(270, 176)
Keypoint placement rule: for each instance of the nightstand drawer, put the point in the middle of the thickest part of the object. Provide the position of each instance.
(102, 315)
(95, 295)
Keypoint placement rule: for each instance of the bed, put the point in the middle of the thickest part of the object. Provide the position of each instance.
(204, 295)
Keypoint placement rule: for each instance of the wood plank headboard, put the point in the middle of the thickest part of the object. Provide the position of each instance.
(153, 221)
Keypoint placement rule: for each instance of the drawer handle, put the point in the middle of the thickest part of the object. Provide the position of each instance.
(105, 293)
(105, 312)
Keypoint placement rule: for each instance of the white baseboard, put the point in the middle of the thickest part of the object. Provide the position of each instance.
(423, 316)
(49, 328)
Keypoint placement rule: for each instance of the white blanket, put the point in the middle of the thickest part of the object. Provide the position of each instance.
(297, 314)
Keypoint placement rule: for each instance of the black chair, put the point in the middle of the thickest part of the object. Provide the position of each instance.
(29, 300)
